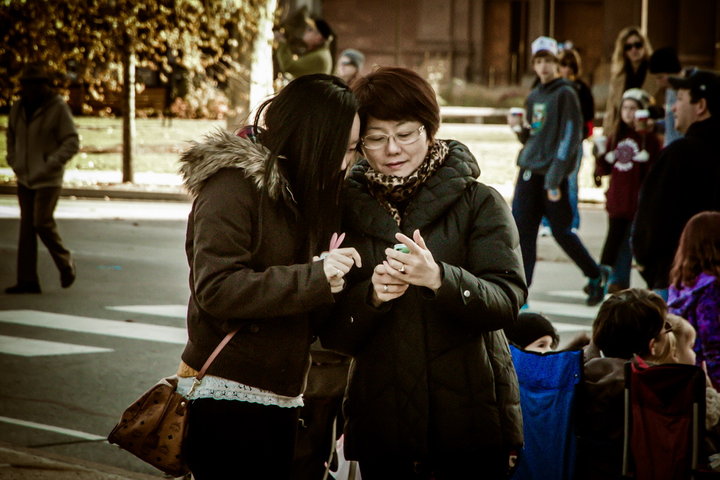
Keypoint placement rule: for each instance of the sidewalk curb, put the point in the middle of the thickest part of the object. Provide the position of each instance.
(112, 193)
(20, 462)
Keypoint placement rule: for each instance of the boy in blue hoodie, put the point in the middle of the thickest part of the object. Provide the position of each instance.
(552, 139)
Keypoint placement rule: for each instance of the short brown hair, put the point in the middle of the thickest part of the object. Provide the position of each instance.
(544, 54)
(627, 321)
(396, 93)
(698, 250)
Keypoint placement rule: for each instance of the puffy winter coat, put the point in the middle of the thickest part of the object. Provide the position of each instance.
(699, 304)
(241, 242)
(432, 375)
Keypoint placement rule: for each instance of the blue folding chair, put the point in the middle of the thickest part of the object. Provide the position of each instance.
(547, 393)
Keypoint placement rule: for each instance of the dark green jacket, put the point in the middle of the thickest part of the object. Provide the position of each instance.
(432, 375)
(315, 61)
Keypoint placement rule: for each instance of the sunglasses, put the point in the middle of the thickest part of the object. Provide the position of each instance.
(630, 46)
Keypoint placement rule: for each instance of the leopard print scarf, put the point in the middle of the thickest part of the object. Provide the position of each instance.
(394, 193)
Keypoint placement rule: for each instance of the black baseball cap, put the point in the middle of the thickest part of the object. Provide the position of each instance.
(702, 84)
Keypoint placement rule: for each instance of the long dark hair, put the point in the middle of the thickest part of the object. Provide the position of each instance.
(698, 251)
(306, 127)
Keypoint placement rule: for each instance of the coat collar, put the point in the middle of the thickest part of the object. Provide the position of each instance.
(221, 149)
(432, 200)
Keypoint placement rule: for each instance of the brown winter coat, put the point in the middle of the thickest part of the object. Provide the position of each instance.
(241, 243)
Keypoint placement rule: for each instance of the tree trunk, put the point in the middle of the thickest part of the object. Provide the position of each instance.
(247, 89)
(261, 67)
(128, 150)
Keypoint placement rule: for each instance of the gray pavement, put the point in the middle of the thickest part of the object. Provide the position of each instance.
(18, 463)
(32, 464)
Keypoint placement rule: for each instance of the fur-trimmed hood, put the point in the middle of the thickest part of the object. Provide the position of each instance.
(222, 149)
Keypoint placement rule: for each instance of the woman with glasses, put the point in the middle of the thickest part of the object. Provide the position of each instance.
(432, 390)
(629, 69)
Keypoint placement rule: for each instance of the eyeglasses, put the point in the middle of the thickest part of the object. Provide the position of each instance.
(637, 45)
(375, 141)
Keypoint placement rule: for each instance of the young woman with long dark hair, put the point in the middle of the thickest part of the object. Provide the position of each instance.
(266, 205)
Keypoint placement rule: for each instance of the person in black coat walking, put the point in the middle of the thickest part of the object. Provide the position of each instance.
(432, 390)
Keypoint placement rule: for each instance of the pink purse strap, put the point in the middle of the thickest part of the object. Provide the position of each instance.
(214, 354)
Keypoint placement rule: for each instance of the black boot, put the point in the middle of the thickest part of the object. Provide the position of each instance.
(29, 287)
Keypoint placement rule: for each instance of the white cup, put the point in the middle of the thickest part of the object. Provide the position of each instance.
(642, 116)
(517, 114)
(600, 143)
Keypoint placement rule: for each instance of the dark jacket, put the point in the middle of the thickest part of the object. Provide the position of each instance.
(683, 182)
(555, 133)
(600, 412)
(587, 106)
(241, 243)
(38, 148)
(432, 375)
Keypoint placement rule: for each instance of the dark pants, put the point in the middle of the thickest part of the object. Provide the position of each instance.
(529, 204)
(36, 220)
(471, 466)
(315, 438)
(228, 439)
(617, 241)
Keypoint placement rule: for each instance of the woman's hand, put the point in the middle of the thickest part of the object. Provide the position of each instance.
(417, 267)
(385, 287)
(337, 263)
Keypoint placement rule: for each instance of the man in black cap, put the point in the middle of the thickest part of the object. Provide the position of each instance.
(41, 139)
(683, 182)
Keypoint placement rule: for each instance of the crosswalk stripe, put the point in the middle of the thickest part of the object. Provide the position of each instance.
(172, 311)
(564, 309)
(562, 327)
(573, 294)
(113, 328)
(52, 428)
(28, 347)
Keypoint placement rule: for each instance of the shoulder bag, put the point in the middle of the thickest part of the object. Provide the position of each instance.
(154, 427)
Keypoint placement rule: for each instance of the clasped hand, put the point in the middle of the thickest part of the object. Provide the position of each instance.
(399, 270)
(337, 263)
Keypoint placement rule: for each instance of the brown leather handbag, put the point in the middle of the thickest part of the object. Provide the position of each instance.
(154, 427)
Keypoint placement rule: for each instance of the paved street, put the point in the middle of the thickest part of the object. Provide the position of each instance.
(73, 359)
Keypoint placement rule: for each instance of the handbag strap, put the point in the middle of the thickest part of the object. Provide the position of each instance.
(214, 354)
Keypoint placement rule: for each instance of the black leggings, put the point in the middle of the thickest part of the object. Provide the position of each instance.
(618, 233)
(228, 439)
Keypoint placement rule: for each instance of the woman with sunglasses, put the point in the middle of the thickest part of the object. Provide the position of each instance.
(432, 391)
(629, 69)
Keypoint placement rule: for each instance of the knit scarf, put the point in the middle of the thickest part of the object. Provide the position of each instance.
(394, 193)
